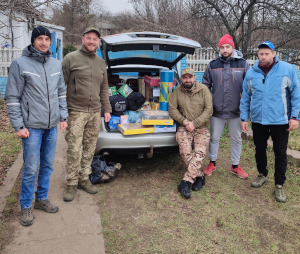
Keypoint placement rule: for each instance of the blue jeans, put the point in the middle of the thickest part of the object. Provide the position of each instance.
(39, 147)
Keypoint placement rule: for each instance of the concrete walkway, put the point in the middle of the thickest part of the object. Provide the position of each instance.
(75, 228)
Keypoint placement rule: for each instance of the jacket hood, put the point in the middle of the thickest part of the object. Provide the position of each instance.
(31, 51)
(236, 54)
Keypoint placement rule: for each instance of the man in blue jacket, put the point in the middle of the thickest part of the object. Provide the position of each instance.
(224, 77)
(271, 97)
(36, 103)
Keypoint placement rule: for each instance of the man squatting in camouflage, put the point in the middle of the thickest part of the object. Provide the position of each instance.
(87, 89)
(191, 106)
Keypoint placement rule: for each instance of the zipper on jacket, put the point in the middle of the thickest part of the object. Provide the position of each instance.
(75, 87)
(91, 87)
(27, 103)
(47, 91)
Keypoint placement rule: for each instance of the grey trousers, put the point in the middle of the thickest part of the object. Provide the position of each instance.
(235, 130)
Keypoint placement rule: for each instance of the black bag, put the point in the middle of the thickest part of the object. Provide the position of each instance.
(118, 104)
(135, 101)
(102, 172)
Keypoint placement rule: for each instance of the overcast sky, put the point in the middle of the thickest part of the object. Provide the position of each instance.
(115, 6)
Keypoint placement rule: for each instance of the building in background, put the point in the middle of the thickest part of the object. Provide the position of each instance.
(16, 35)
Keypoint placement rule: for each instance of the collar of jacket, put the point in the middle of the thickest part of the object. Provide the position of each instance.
(39, 56)
(235, 55)
(87, 53)
(256, 67)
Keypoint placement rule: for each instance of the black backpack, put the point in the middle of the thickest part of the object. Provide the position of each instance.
(118, 104)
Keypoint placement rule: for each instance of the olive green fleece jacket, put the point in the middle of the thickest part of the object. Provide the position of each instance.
(195, 106)
(85, 76)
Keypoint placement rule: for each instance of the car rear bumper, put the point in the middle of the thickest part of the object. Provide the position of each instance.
(116, 143)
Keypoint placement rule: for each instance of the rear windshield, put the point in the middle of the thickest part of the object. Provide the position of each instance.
(149, 54)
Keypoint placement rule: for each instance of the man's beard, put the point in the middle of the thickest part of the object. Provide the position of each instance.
(188, 86)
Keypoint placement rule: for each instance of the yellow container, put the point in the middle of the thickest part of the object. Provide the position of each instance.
(134, 129)
(157, 121)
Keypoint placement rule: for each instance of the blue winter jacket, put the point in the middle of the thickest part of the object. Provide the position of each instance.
(271, 99)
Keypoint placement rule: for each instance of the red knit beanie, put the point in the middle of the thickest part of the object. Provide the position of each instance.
(226, 39)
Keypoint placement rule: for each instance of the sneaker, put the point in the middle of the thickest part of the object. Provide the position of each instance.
(209, 169)
(46, 206)
(26, 217)
(69, 192)
(259, 181)
(185, 189)
(239, 172)
(279, 193)
(199, 183)
(87, 186)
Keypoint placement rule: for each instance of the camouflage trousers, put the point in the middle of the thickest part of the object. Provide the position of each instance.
(81, 136)
(192, 148)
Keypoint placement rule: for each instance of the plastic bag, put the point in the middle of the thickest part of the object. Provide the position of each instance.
(102, 172)
(133, 116)
(113, 122)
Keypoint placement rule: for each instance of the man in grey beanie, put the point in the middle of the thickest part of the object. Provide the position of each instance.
(36, 103)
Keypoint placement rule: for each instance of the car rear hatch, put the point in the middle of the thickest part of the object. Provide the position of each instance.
(150, 48)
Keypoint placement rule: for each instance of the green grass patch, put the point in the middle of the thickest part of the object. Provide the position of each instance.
(294, 140)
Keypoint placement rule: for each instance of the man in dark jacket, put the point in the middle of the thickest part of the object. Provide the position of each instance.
(191, 107)
(224, 77)
(87, 90)
(36, 103)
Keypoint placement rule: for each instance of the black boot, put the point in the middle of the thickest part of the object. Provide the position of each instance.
(199, 183)
(185, 189)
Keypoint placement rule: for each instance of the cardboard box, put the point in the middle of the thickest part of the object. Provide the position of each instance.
(155, 81)
(155, 115)
(154, 105)
(152, 93)
(152, 81)
(134, 129)
(112, 90)
(158, 122)
(124, 119)
(165, 128)
(142, 89)
(125, 90)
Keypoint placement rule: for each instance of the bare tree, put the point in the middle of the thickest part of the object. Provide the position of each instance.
(14, 11)
(75, 16)
(247, 21)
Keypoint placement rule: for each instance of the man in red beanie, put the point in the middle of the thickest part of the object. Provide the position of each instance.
(224, 77)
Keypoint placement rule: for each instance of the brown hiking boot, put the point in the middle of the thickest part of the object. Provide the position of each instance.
(69, 192)
(26, 217)
(87, 186)
(46, 206)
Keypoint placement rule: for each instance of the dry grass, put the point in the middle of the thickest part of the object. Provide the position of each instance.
(142, 212)
(294, 140)
(10, 144)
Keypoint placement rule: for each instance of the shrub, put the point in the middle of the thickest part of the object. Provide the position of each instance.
(68, 48)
